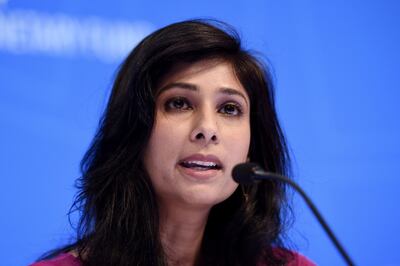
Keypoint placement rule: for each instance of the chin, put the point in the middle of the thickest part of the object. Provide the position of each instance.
(206, 199)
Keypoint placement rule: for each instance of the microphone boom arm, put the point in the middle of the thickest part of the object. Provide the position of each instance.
(260, 174)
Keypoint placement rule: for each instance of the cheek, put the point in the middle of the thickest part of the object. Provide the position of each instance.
(158, 157)
(239, 141)
(154, 154)
(169, 133)
(164, 144)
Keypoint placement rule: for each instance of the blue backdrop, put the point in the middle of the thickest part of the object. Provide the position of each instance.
(336, 66)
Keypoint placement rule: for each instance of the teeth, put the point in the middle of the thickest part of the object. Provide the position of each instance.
(202, 163)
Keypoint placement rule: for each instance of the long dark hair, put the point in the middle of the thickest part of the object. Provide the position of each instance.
(119, 223)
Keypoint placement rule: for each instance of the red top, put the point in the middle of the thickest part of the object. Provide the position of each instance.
(63, 259)
(66, 259)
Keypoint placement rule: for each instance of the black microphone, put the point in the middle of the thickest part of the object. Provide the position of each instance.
(247, 173)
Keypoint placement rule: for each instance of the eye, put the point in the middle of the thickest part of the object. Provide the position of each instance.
(177, 103)
(231, 109)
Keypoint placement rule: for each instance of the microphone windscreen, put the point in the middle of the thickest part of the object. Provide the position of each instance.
(244, 173)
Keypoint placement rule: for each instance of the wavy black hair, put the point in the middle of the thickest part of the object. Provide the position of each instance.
(119, 218)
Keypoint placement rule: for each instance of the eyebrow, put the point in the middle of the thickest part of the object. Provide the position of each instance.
(192, 87)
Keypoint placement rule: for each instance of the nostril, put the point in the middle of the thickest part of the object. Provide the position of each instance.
(206, 137)
(199, 136)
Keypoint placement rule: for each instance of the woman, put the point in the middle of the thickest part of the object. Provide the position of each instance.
(187, 105)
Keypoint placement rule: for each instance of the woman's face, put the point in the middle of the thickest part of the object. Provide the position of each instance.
(201, 131)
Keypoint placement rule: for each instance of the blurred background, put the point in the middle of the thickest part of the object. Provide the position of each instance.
(336, 67)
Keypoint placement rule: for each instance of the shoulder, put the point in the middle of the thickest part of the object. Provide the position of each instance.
(63, 259)
(300, 260)
(296, 259)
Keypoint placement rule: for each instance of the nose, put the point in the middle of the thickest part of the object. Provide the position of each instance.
(205, 129)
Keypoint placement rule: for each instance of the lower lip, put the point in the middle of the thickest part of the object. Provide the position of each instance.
(199, 174)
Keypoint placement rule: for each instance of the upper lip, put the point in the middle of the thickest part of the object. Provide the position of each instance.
(203, 158)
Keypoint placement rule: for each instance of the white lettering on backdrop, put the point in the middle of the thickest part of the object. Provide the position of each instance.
(23, 31)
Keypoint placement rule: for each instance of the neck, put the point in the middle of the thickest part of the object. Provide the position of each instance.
(181, 232)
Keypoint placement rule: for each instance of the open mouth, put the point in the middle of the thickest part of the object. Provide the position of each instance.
(200, 165)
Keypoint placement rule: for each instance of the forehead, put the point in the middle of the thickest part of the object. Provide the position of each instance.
(213, 73)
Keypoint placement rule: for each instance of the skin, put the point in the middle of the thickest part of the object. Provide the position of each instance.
(201, 109)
